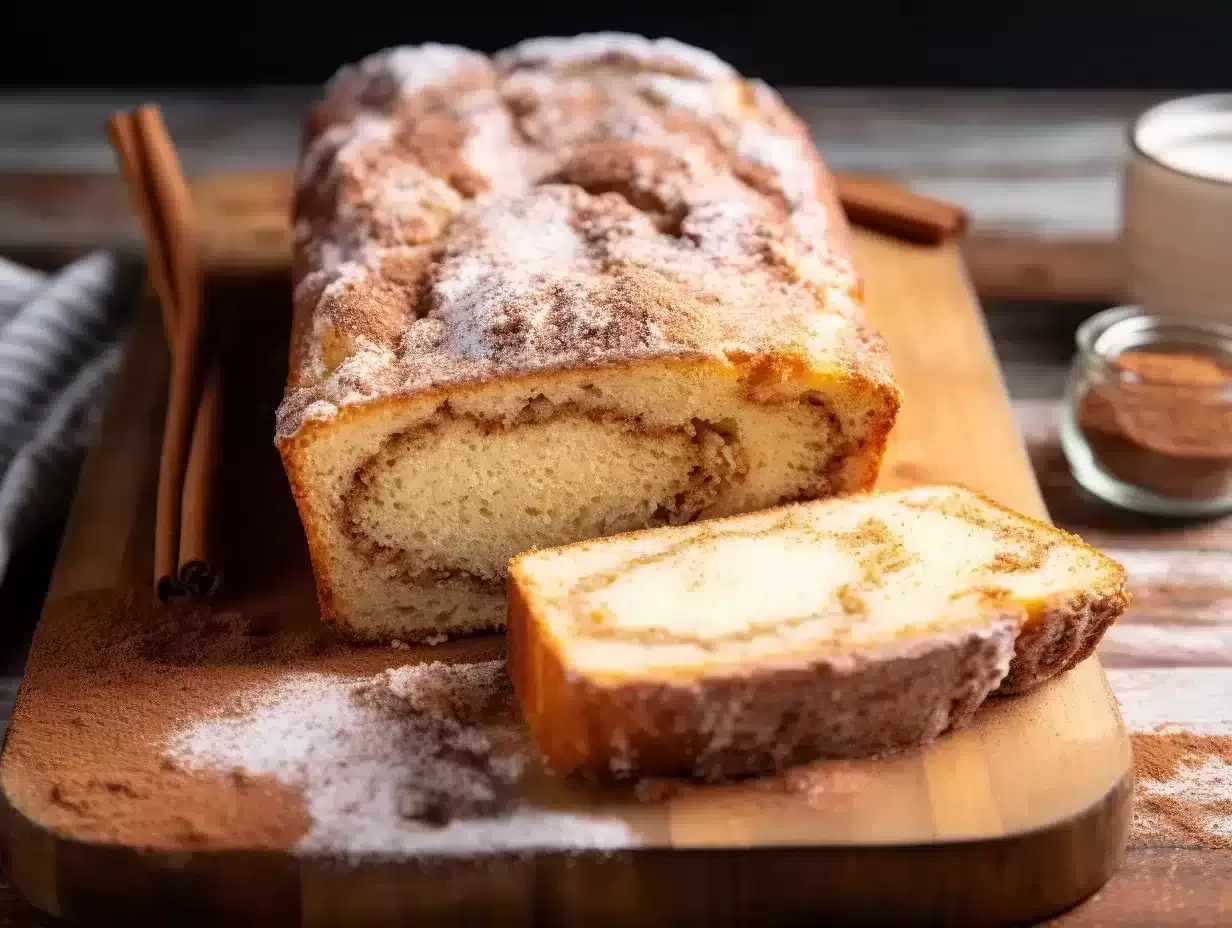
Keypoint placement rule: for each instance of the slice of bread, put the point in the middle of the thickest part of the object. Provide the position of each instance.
(843, 628)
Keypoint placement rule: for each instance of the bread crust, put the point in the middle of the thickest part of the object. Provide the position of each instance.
(1065, 631)
(1063, 635)
(858, 704)
(853, 704)
(683, 213)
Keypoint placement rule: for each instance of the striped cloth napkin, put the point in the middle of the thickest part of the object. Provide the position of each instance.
(59, 345)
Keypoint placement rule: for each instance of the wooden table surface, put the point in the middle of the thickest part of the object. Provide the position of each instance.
(1039, 173)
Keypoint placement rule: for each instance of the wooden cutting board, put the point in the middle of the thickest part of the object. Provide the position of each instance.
(1021, 814)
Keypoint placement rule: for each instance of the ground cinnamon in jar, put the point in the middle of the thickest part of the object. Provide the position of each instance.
(1163, 423)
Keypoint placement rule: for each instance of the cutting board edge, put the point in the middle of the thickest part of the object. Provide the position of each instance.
(290, 889)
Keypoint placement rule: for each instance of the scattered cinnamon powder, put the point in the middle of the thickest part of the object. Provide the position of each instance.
(1164, 755)
(182, 728)
(137, 737)
(428, 758)
(1183, 789)
(111, 679)
(116, 674)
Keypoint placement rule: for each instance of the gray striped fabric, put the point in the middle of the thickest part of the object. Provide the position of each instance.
(59, 345)
(17, 284)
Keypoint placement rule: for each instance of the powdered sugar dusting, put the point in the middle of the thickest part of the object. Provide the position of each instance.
(704, 99)
(491, 147)
(1205, 788)
(337, 147)
(586, 200)
(412, 68)
(429, 759)
(784, 155)
(1181, 722)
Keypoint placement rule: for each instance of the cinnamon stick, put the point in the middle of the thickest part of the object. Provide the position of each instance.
(896, 211)
(162, 200)
(197, 571)
(123, 133)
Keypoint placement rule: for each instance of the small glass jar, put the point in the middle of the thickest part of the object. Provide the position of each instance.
(1147, 424)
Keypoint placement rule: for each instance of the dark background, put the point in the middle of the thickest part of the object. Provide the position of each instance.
(1111, 44)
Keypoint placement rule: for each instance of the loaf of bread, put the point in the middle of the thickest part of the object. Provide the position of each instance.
(584, 286)
(842, 628)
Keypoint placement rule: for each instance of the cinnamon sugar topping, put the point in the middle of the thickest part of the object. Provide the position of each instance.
(184, 728)
(567, 202)
(1182, 789)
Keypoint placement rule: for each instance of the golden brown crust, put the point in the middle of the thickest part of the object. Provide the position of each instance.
(565, 204)
(856, 704)
(722, 726)
(301, 493)
(1062, 636)
(1067, 631)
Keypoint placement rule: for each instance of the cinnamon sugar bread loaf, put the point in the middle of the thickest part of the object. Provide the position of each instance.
(586, 286)
(846, 627)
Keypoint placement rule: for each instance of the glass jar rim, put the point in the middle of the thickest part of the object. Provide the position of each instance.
(1103, 337)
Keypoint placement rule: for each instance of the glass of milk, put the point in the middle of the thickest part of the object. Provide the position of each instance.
(1177, 208)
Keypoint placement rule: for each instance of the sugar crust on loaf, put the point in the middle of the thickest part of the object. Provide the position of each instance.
(583, 286)
(879, 622)
(567, 202)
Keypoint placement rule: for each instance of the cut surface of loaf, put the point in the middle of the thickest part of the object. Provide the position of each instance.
(584, 286)
(840, 628)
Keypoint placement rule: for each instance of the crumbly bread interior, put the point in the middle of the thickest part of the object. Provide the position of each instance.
(782, 587)
(427, 504)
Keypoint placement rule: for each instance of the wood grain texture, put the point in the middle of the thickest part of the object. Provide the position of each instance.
(45, 215)
(1160, 888)
(1153, 888)
(1038, 172)
(1039, 167)
(46, 219)
(955, 830)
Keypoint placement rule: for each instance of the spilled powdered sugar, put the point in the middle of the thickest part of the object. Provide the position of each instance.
(1180, 721)
(1197, 799)
(425, 759)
